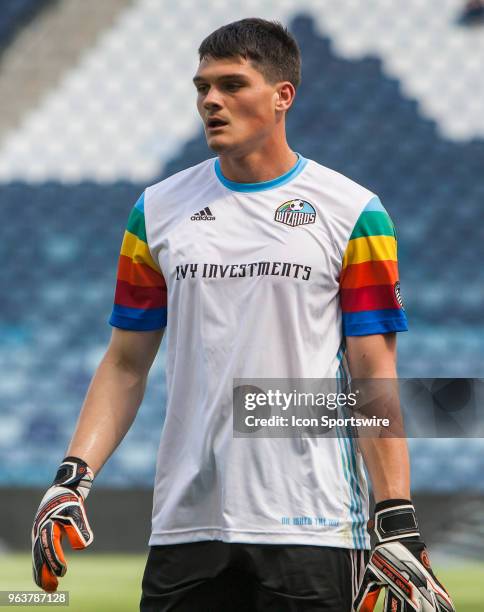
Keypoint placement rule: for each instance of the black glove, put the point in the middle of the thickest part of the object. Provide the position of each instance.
(400, 564)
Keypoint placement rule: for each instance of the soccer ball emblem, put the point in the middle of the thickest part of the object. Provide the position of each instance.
(295, 212)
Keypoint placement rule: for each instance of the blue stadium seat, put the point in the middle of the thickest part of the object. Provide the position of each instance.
(14, 14)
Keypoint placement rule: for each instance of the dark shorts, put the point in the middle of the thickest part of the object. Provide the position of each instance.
(215, 576)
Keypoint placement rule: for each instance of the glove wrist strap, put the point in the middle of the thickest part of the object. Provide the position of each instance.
(395, 521)
(74, 473)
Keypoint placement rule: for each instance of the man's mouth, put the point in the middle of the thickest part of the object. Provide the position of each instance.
(215, 123)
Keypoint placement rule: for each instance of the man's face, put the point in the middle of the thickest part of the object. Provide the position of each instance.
(236, 104)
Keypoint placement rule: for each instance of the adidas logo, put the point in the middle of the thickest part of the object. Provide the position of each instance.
(204, 215)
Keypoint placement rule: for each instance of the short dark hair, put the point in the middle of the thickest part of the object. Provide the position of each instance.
(268, 44)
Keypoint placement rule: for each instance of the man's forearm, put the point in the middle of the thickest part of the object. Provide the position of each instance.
(110, 406)
(387, 462)
(372, 361)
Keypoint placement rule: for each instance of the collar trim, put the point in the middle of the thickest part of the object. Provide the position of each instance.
(263, 185)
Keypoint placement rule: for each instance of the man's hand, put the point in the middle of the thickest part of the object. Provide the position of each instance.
(400, 564)
(61, 512)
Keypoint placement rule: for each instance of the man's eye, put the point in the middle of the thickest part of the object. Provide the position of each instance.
(202, 88)
(233, 86)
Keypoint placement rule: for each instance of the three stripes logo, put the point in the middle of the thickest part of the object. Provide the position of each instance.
(204, 215)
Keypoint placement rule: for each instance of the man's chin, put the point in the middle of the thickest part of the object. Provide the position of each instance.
(219, 144)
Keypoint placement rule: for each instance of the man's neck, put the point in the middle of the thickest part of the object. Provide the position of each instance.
(257, 166)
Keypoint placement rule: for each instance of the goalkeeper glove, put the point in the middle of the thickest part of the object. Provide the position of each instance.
(400, 564)
(61, 512)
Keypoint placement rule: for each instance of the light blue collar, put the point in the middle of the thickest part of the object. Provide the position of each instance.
(263, 185)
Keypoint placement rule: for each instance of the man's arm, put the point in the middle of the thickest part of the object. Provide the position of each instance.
(386, 458)
(114, 395)
(399, 562)
(111, 403)
(138, 317)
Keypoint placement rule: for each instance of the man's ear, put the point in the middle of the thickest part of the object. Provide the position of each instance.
(286, 93)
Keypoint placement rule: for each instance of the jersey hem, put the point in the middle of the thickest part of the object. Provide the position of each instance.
(381, 327)
(135, 324)
(253, 537)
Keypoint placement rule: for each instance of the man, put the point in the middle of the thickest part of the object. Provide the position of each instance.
(259, 263)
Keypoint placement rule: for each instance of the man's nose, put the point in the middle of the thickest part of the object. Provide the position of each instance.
(212, 99)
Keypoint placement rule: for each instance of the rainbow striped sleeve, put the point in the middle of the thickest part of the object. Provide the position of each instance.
(369, 285)
(140, 296)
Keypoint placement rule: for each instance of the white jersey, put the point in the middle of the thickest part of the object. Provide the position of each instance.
(258, 280)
